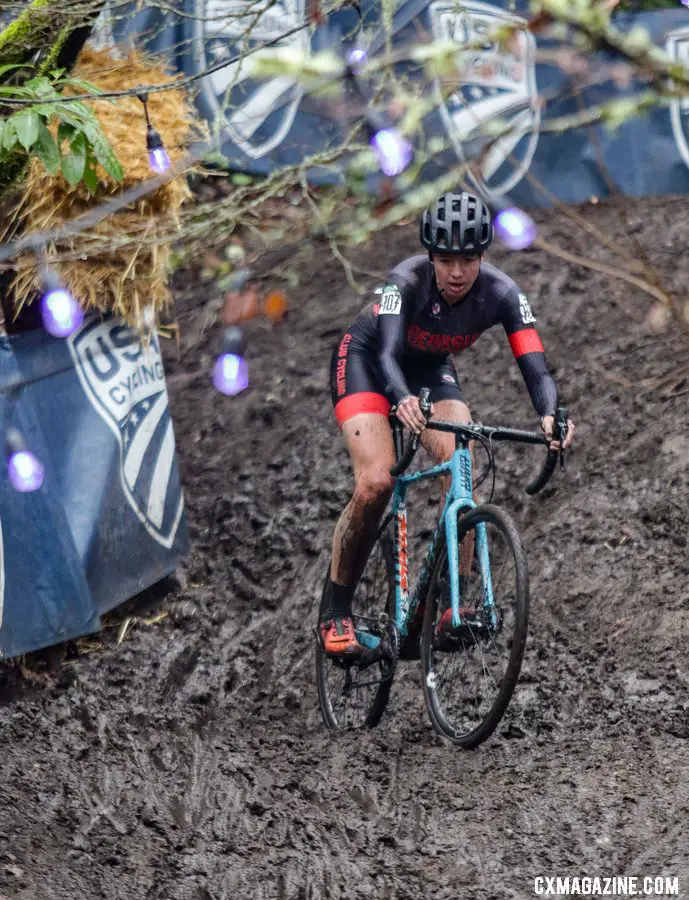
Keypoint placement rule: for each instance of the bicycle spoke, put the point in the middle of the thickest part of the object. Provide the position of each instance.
(473, 668)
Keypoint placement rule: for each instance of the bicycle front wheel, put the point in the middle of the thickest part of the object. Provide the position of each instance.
(353, 697)
(470, 672)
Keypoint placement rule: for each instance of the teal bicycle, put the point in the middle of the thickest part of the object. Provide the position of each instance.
(467, 616)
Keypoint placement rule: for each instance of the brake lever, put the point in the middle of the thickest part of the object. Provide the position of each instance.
(561, 433)
(425, 402)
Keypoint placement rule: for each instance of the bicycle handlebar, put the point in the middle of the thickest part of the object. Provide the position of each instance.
(404, 463)
(476, 431)
(559, 434)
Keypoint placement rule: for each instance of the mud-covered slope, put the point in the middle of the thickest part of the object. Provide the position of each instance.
(190, 762)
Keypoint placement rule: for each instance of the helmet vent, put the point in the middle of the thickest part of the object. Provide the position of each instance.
(456, 223)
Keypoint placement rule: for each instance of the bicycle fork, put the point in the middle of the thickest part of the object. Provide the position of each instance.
(461, 475)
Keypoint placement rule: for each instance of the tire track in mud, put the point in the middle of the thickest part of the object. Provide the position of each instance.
(190, 762)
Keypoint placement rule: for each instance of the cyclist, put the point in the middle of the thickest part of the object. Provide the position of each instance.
(432, 306)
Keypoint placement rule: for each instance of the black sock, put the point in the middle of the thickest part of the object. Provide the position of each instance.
(337, 600)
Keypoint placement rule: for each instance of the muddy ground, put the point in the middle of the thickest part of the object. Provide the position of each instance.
(190, 761)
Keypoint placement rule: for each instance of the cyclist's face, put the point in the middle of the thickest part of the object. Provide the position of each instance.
(455, 275)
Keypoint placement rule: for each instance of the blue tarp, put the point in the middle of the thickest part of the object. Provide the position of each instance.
(272, 123)
(109, 519)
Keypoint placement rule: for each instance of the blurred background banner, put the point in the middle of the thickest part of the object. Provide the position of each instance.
(267, 124)
(109, 520)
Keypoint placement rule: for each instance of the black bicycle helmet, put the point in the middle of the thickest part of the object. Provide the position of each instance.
(457, 223)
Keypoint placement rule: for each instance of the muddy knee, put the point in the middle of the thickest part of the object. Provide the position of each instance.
(373, 489)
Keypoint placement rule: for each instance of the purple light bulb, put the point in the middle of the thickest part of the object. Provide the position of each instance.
(158, 160)
(394, 152)
(25, 472)
(60, 312)
(357, 58)
(515, 228)
(230, 374)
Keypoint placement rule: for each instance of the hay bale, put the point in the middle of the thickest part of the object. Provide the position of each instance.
(122, 281)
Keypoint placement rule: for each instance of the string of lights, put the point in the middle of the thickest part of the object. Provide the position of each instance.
(168, 86)
(62, 314)
(38, 239)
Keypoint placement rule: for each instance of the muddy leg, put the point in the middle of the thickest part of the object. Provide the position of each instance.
(368, 437)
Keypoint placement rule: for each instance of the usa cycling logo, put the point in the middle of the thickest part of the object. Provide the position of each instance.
(125, 384)
(257, 114)
(678, 48)
(496, 84)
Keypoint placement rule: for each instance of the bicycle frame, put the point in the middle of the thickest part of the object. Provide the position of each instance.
(459, 497)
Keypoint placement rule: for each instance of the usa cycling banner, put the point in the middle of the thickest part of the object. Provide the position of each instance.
(109, 519)
(274, 122)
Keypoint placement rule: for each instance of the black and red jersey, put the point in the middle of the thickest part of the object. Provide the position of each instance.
(410, 325)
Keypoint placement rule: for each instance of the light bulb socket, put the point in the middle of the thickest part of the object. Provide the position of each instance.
(373, 123)
(153, 139)
(50, 281)
(238, 279)
(14, 441)
(233, 341)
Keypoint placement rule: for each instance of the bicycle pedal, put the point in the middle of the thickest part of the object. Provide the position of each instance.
(367, 639)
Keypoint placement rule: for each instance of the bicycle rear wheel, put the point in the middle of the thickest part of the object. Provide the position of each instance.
(353, 697)
(470, 673)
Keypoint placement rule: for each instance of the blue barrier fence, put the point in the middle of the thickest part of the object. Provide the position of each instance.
(275, 122)
(109, 519)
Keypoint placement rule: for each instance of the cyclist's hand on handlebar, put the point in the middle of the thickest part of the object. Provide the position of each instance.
(409, 413)
(548, 426)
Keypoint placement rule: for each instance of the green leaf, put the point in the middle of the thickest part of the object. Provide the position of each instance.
(26, 125)
(9, 66)
(84, 85)
(47, 110)
(80, 111)
(74, 163)
(75, 114)
(47, 151)
(65, 132)
(104, 152)
(9, 135)
(90, 177)
(19, 92)
(41, 87)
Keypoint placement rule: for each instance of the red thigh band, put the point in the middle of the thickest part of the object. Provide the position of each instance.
(362, 402)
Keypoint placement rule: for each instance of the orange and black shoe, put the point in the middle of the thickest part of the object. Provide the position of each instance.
(338, 637)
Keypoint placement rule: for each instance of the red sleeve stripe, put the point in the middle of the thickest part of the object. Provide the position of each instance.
(526, 341)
